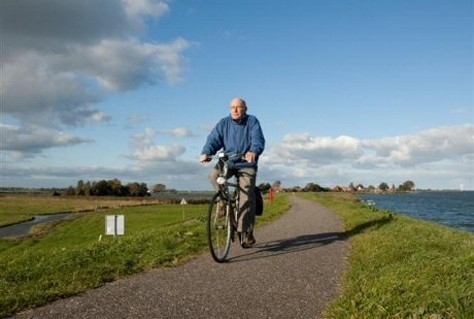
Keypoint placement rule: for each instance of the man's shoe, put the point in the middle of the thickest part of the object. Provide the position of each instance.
(249, 241)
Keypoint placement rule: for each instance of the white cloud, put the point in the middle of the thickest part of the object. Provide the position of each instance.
(144, 139)
(25, 142)
(50, 26)
(159, 152)
(97, 117)
(443, 143)
(178, 132)
(61, 58)
(33, 93)
(303, 148)
(430, 155)
(146, 150)
(126, 64)
(369, 162)
(134, 120)
(135, 8)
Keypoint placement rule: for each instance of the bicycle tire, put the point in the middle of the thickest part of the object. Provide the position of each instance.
(219, 230)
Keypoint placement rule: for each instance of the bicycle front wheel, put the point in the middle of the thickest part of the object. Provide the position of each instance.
(219, 229)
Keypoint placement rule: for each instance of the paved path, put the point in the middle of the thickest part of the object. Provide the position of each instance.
(293, 272)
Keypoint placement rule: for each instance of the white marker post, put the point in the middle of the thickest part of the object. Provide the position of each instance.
(183, 203)
(114, 225)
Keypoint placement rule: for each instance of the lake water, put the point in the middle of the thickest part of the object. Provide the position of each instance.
(451, 208)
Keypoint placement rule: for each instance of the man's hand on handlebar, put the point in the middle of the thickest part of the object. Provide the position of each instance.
(205, 158)
(250, 157)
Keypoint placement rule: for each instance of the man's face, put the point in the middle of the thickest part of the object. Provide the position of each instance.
(237, 109)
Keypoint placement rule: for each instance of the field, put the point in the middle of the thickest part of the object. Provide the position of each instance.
(18, 208)
(156, 235)
(399, 267)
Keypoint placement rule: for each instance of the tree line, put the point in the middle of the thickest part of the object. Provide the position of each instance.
(112, 187)
(115, 187)
(407, 186)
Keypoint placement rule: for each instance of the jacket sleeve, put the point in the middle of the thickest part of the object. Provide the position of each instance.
(257, 140)
(214, 141)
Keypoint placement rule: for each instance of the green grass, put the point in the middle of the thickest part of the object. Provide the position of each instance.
(18, 208)
(401, 267)
(65, 258)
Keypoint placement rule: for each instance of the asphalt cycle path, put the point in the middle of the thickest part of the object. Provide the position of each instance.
(293, 271)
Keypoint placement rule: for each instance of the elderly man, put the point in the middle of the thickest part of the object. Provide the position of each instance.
(239, 133)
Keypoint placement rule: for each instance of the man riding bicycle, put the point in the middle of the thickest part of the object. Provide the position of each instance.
(238, 134)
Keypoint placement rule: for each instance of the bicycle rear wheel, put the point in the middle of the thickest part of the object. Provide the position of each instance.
(219, 229)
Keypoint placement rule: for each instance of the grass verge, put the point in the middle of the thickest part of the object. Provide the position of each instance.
(401, 267)
(18, 208)
(65, 258)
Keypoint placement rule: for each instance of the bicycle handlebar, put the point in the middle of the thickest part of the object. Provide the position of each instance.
(222, 156)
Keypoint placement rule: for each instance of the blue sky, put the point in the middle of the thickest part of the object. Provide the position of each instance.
(346, 91)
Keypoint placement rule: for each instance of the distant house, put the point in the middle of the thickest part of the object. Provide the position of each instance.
(342, 189)
(277, 189)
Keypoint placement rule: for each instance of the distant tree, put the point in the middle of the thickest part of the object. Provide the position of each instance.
(144, 191)
(383, 187)
(137, 189)
(101, 188)
(295, 189)
(406, 186)
(87, 188)
(116, 188)
(158, 188)
(70, 191)
(312, 187)
(112, 187)
(410, 185)
(264, 187)
(80, 188)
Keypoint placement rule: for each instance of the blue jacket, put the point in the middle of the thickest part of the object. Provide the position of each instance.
(236, 137)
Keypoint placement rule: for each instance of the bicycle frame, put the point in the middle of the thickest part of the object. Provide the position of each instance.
(221, 227)
(232, 196)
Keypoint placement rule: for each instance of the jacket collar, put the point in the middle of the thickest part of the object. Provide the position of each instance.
(242, 120)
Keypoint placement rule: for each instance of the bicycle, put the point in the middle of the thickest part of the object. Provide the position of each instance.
(224, 212)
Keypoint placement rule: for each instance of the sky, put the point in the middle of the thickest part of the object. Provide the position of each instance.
(346, 91)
